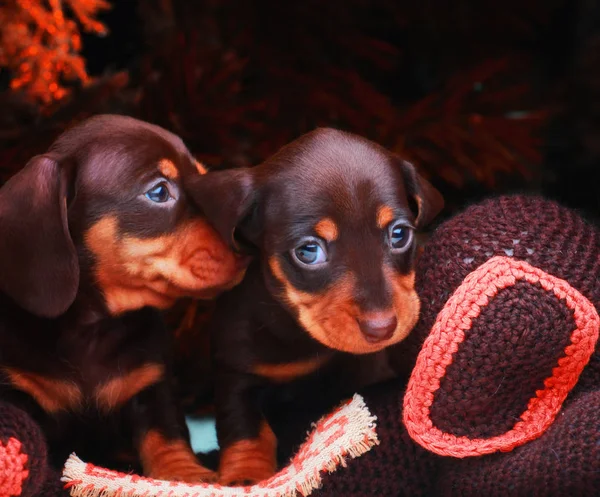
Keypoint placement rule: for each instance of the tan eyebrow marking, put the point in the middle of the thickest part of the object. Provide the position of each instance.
(385, 215)
(168, 168)
(200, 167)
(327, 229)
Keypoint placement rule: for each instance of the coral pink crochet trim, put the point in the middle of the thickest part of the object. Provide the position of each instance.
(349, 431)
(448, 333)
(12, 468)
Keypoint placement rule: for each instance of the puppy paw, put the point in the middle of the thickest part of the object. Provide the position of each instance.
(187, 473)
(245, 476)
(172, 460)
(246, 462)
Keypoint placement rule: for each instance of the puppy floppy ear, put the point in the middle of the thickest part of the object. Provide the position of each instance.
(229, 200)
(39, 268)
(429, 201)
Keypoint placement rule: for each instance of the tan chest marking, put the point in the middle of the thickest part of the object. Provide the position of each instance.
(51, 394)
(289, 371)
(117, 391)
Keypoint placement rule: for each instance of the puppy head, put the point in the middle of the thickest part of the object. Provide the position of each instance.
(108, 203)
(334, 218)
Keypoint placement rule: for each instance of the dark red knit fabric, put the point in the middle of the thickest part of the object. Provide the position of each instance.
(52, 486)
(42, 480)
(494, 374)
(565, 461)
(510, 348)
(17, 424)
(540, 232)
(396, 467)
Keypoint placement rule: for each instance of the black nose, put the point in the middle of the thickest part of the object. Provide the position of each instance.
(378, 327)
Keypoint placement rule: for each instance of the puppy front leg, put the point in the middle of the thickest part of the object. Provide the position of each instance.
(248, 445)
(162, 439)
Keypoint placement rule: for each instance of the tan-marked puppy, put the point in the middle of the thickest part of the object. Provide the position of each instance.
(95, 236)
(333, 218)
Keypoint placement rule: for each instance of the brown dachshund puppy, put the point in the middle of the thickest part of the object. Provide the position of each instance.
(95, 236)
(333, 217)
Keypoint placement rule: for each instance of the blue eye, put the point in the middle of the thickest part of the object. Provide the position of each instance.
(310, 253)
(159, 193)
(400, 237)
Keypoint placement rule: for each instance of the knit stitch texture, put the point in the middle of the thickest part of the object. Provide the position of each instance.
(512, 347)
(23, 459)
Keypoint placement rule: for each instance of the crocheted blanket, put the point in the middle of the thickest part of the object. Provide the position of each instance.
(449, 331)
(349, 431)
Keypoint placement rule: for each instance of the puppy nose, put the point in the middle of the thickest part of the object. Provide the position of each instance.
(378, 327)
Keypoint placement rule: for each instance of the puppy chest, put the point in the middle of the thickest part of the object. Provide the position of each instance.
(284, 372)
(65, 386)
(71, 392)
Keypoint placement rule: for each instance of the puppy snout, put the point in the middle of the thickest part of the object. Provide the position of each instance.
(378, 327)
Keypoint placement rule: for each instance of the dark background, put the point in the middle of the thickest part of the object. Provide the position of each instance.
(484, 96)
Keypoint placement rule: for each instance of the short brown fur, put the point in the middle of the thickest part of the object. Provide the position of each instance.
(168, 168)
(385, 215)
(165, 459)
(116, 391)
(330, 316)
(281, 373)
(249, 460)
(327, 229)
(330, 280)
(200, 167)
(155, 272)
(51, 394)
(97, 235)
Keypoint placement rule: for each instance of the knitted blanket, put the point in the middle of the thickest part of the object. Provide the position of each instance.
(349, 431)
(504, 396)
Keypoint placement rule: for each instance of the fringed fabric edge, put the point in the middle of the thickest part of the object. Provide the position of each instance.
(347, 432)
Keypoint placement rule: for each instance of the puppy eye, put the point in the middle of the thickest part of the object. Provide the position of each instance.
(399, 237)
(159, 193)
(310, 253)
